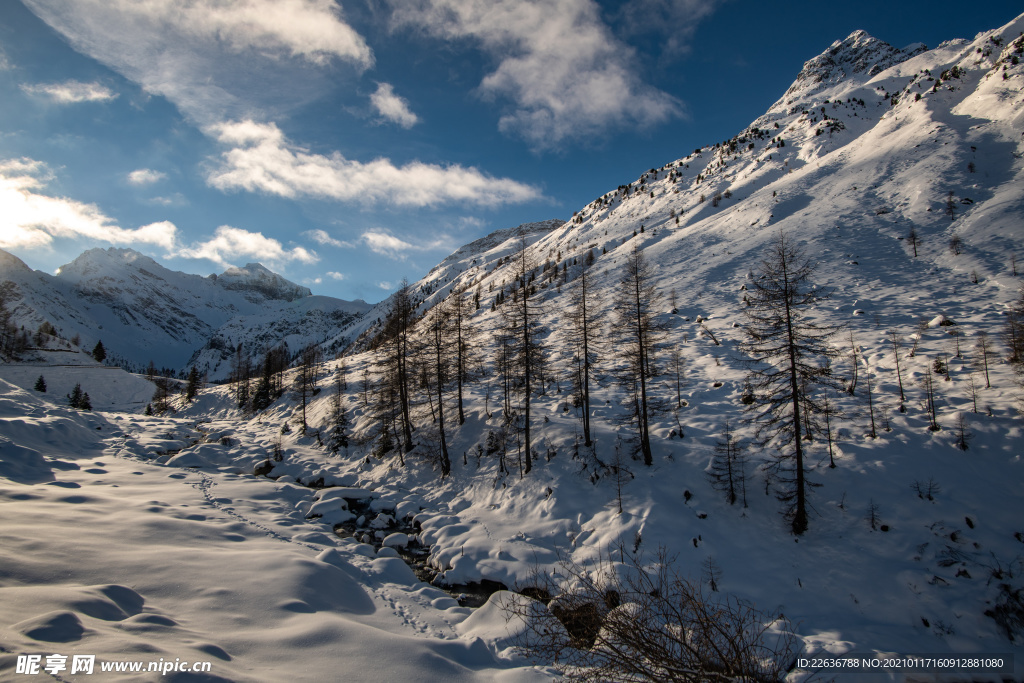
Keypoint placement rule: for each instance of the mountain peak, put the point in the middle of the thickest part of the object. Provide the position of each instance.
(255, 279)
(859, 56)
(105, 262)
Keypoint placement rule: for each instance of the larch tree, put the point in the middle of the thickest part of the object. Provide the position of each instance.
(305, 379)
(581, 331)
(897, 344)
(241, 374)
(395, 353)
(438, 361)
(726, 472)
(192, 384)
(463, 336)
(789, 358)
(338, 437)
(640, 334)
(521, 323)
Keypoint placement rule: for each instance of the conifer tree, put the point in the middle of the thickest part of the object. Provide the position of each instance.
(438, 329)
(394, 352)
(521, 330)
(639, 333)
(98, 352)
(192, 384)
(75, 398)
(789, 359)
(40, 385)
(305, 378)
(338, 438)
(583, 344)
(727, 471)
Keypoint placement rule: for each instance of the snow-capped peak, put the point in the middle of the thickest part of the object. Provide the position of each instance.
(255, 278)
(858, 55)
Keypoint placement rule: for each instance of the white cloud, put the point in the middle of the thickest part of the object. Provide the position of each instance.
(561, 66)
(385, 244)
(234, 243)
(29, 219)
(260, 159)
(145, 176)
(385, 285)
(392, 107)
(72, 92)
(214, 59)
(334, 275)
(321, 237)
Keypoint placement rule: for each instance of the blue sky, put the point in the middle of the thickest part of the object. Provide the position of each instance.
(349, 144)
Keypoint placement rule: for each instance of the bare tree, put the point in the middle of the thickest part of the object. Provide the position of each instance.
(464, 336)
(521, 327)
(241, 374)
(727, 469)
(897, 344)
(644, 622)
(828, 411)
(783, 346)
(439, 327)
(639, 333)
(871, 408)
(919, 330)
(929, 397)
(956, 245)
(984, 347)
(1013, 332)
(676, 364)
(305, 378)
(621, 474)
(582, 338)
(973, 387)
(913, 239)
(963, 435)
(854, 362)
(393, 345)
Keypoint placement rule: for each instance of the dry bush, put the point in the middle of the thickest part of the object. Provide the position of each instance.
(630, 621)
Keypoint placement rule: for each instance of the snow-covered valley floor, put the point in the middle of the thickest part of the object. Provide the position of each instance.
(109, 553)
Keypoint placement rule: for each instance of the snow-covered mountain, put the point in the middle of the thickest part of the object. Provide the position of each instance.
(145, 312)
(913, 546)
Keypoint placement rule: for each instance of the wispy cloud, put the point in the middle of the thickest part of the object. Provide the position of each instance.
(214, 59)
(392, 107)
(321, 237)
(669, 24)
(145, 176)
(386, 244)
(260, 159)
(30, 219)
(229, 243)
(334, 275)
(72, 92)
(566, 74)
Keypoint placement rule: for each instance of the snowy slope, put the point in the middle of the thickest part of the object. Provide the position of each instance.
(857, 160)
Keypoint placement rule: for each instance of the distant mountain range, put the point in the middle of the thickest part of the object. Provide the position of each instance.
(144, 312)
